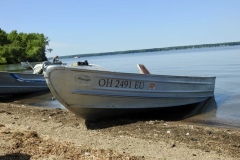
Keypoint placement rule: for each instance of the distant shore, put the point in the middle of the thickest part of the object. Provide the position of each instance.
(155, 49)
(29, 132)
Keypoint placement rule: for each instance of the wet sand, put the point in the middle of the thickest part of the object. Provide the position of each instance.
(30, 132)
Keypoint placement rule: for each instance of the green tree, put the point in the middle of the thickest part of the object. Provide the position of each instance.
(3, 37)
(16, 47)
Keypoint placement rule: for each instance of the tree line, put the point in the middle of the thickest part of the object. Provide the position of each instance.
(18, 47)
(171, 48)
(157, 49)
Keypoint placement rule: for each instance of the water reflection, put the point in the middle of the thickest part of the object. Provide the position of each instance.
(39, 99)
(184, 113)
(202, 113)
(45, 99)
(204, 110)
(208, 114)
(11, 67)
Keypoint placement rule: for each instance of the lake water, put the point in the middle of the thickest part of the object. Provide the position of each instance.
(222, 62)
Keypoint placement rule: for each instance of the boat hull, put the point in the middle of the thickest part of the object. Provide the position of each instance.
(18, 83)
(91, 93)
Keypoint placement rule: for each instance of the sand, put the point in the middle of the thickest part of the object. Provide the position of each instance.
(28, 132)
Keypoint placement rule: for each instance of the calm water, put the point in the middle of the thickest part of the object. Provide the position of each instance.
(222, 62)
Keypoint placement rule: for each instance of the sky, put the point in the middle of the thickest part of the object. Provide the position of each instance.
(95, 26)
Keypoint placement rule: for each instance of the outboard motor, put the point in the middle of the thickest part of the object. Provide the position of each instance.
(38, 68)
(85, 63)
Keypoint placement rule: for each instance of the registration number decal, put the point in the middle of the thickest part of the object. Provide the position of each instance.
(119, 83)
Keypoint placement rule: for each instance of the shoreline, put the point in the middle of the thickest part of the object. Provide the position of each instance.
(163, 49)
(29, 132)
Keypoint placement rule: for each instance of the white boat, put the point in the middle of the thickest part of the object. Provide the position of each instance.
(92, 92)
(12, 83)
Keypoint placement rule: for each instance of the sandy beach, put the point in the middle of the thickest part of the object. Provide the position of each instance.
(28, 132)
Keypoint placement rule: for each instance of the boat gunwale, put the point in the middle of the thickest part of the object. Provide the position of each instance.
(78, 69)
(143, 75)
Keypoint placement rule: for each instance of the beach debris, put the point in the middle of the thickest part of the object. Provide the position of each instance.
(194, 139)
(28, 127)
(151, 122)
(87, 154)
(191, 127)
(8, 112)
(32, 134)
(44, 120)
(6, 132)
(165, 124)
